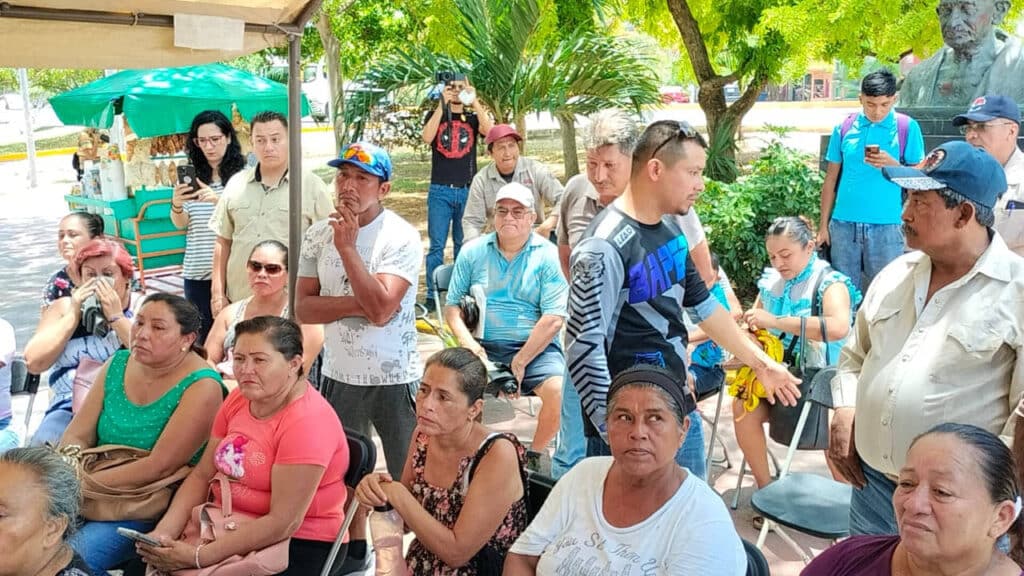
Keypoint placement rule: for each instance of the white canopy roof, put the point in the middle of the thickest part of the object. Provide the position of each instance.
(133, 33)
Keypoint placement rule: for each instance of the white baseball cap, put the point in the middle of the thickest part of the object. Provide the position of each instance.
(516, 192)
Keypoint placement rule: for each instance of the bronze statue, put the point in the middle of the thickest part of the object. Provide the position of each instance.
(977, 58)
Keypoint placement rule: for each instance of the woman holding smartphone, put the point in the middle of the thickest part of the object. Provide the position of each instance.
(215, 156)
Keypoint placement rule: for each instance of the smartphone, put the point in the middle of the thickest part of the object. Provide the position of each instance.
(871, 149)
(137, 536)
(187, 175)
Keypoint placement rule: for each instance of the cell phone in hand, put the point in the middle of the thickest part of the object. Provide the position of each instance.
(871, 149)
(187, 175)
(137, 536)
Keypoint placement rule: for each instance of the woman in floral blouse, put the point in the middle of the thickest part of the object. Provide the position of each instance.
(76, 230)
(459, 491)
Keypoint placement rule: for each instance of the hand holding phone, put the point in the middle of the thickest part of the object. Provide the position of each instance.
(138, 536)
(187, 176)
(871, 149)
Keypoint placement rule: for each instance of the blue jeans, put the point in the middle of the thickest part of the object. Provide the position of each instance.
(445, 206)
(871, 511)
(102, 548)
(54, 423)
(572, 444)
(691, 456)
(860, 251)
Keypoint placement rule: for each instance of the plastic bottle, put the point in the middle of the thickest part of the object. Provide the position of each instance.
(386, 530)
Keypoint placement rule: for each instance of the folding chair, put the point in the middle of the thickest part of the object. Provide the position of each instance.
(808, 503)
(721, 391)
(442, 279)
(757, 564)
(24, 383)
(362, 459)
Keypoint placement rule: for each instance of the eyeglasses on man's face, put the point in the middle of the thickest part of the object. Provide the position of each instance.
(981, 127)
(516, 213)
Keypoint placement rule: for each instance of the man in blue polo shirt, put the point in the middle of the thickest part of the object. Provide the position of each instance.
(526, 303)
(860, 217)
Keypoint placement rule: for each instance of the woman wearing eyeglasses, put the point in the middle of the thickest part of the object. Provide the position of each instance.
(268, 279)
(214, 151)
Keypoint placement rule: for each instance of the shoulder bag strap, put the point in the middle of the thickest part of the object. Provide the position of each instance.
(816, 309)
(482, 451)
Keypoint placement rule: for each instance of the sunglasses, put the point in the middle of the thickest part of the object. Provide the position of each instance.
(272, 269)
(683, 131)
(357, 153)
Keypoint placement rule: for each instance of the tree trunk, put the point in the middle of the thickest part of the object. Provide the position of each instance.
(567, 124)
(520, 122)
(332, 54)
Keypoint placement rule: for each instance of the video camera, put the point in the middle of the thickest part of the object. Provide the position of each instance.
(448, 76)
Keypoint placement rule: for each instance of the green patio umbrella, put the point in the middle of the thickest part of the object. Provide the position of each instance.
(159, 101)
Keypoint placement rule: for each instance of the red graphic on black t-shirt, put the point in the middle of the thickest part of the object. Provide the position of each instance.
(456, 142)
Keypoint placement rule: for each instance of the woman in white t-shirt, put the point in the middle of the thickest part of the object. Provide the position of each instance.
(636, 512)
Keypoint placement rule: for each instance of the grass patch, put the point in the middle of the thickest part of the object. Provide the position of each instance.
(52, 143)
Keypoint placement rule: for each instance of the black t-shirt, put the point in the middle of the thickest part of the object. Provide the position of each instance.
(453, 150)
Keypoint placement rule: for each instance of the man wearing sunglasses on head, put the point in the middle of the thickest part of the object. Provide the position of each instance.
(358, 274)
(632, 278)
(993, 124)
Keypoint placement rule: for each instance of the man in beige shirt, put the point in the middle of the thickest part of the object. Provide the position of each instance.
(254, 207)
(993, 123)
(938, 337)
(509, 166)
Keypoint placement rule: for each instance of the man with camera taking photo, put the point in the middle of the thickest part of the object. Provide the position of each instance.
(451, 129)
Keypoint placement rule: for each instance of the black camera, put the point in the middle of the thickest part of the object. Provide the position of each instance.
(447, 76)
(93, 320)
(500, 379)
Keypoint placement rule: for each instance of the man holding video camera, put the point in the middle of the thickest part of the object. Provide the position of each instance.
(451, 129)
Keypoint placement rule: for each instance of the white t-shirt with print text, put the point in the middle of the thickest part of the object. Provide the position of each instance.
(690, 535)
(356, 351)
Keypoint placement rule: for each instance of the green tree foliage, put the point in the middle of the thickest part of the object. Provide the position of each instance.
(782, 182)
(516, 68)
(46, 82)
(753, 42)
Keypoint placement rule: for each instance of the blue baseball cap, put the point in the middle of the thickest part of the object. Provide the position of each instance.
(971, 172)
(989, 107)
(370, 157)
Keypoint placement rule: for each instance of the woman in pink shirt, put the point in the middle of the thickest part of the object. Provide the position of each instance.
(274, 431)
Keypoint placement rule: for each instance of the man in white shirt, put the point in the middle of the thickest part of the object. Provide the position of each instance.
(938, 337)
(993, 123)
(357, 276)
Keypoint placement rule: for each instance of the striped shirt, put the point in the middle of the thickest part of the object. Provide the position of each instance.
(200, 239)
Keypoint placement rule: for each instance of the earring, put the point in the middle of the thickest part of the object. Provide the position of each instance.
(183, 348)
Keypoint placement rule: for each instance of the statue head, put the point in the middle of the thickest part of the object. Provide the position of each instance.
(966, 24)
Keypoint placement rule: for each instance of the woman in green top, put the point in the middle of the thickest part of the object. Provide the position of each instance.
(160, 396)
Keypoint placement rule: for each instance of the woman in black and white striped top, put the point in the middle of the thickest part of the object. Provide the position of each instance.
(213, 149)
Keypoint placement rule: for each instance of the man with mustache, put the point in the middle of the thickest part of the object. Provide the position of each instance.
(938, 337)
(508, 166)
(977, 59)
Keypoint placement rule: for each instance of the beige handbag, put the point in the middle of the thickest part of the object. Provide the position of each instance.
(102, 502)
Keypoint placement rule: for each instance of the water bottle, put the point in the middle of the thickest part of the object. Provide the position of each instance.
(386, 530)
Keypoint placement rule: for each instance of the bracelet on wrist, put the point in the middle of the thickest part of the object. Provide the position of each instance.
(176, 209)
(115, 319)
